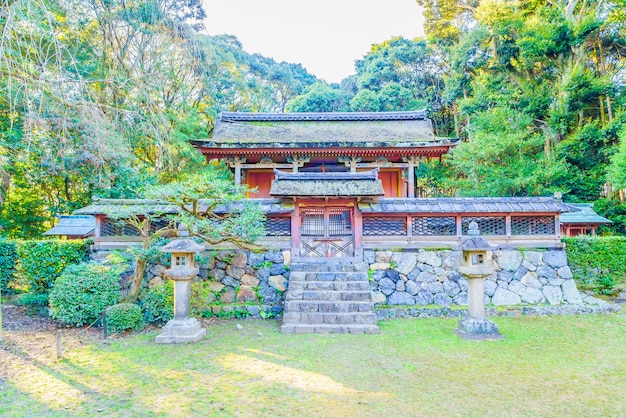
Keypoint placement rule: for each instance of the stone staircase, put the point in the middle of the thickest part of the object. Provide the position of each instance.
(329, 298)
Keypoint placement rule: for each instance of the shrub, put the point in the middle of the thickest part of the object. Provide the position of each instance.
(8, 260)
(32, 299)
(124, 316)
(158, 303)
(597, 263)
(41, 262)
(83, 291)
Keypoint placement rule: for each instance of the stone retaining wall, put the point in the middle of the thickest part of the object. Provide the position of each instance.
(256, 282)
(431, 278)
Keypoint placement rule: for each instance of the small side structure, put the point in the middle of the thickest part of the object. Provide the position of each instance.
(73, 227)
(584, 221)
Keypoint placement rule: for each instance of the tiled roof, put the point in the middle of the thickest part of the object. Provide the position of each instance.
(341, 184)
(73, 226)
(276, 131)
(321, 116)
(466, 205)
(121, 206)
(585, 215)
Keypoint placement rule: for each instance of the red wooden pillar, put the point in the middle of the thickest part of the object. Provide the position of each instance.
(295, 229)
(358, 231)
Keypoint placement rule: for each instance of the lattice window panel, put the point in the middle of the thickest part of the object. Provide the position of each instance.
(117, 228)
(384, 225)
(278, 227)
(532, 225)
(488, 225)
(312, 222)
(339, 222)
(158, 223)
(434, 226)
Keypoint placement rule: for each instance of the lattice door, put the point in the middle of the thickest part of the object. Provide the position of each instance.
(326, 232)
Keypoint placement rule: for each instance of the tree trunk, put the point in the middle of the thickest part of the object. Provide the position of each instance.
(135, 284)
(609, 112)
(455, 114)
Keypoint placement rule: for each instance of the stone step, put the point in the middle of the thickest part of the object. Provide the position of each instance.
(329, 295)
(331, 266)
(329, 329)
(327, 306)
(317, 285)
(330, 318)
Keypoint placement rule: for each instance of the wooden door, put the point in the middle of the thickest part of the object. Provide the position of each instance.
(262, 181)
(390, 181)
(327, 232)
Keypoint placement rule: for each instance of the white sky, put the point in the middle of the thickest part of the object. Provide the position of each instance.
(325, 36)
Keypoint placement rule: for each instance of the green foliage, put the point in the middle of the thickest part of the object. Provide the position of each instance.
(8, 263)
(124, 316)
(157, 303)
(616, 212)
(83, 291)
(598, 262)
(41, 262)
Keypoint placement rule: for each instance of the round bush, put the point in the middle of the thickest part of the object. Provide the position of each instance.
(158, 303)
(82, 292)
(124, 316)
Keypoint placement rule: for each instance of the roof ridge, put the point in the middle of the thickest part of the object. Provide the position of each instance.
(320, 116)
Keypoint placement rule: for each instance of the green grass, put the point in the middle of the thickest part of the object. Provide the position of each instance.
(546, 367)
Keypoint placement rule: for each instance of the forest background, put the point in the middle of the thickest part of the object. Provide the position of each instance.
(100, 97)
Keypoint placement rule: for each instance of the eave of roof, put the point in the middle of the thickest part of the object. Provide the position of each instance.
(585, 216)
(73, 226)
(322, 116)
(454, 205)
(124, 206)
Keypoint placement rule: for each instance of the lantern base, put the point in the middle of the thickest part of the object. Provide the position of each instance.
(178, 331)
(478, 329)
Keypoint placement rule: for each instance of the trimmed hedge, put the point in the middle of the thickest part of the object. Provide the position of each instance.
(597, 263)
(8, 262)
(83, 291)
(124, 316)
(41, 262)
(158, 303)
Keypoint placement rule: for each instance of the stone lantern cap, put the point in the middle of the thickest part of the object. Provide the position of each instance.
(182, 245)
(475, 243)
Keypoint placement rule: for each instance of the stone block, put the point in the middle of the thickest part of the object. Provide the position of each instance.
(230, 281)
(505, 297)
(178, 331)
(451, 288)
(275, 257)
(425, 277)
(235, 272)
(400, 287)
(278, 282)
(405, 262)
(533, 296)
(530, 280)
(442, 299)
(490, 287)
(246, 294)
(555, 259)
(217, 274)
(249, 280)
(155, 281)
(369, 256)
(383, 256)
(431, 258)
(528, 265)
(277, 269)
(564, 273)
(509, 260)
(256, 259)
(546, 271)
(516, 287)
(263, 274)
(239, 259)
(553, 294)
(424, 297)
(434, 287)
(378, 298)
(463, 284)
(228, 295)
(452, 259)
(461, 299)
(411, 287)
(401, 298)
(392, 274)
(570, 292)
(534, 257)
(380, 266)
(215, 287)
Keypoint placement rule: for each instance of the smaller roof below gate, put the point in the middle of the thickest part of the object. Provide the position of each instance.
(467, 205)
(585, 216)
(77, 226)
(331, 184)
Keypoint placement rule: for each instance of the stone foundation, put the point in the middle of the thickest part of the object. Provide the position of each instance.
(431, 278)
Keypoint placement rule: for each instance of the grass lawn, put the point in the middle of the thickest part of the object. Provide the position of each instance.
(547, 366)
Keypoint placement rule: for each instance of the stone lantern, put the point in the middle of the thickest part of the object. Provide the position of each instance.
(475, 267)
(182, 328)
